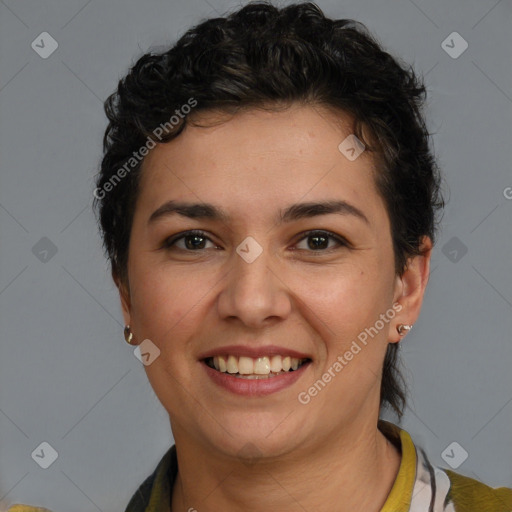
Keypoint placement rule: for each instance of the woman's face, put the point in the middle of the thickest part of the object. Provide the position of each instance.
(253, 284)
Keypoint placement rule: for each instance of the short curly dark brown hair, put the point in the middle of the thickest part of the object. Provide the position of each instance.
(262, 56)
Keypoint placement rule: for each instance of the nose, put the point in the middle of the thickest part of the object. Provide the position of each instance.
(254, 292)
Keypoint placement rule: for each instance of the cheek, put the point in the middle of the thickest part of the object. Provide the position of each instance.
(340, 302)
(340, 290)
(165, 300)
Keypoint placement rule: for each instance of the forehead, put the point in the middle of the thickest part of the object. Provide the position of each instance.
(256, 159)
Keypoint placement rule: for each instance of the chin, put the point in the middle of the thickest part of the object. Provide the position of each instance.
(257, 435)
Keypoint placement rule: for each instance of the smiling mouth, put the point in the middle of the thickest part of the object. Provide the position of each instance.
(255, 368)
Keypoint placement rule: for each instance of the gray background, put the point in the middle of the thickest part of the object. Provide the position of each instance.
(66, 375)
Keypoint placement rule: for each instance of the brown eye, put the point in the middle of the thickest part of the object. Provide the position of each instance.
(318, 241)
(192, 241)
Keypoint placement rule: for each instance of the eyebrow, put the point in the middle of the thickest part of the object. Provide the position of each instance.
(289, 214)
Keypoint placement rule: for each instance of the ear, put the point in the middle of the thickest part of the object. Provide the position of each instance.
(124, 296)
(410, 289)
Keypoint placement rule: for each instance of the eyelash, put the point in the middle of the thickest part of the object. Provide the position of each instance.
(170, 242)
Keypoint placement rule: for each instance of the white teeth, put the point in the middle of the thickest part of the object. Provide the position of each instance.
(245, 365)
(260, 367)
(276, 364)
(232, 364)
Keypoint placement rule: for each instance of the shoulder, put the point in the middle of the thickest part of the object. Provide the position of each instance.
(468, 495)
(433, 488)
(155, 492)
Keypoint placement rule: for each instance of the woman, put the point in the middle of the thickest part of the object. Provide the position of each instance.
(268, 201)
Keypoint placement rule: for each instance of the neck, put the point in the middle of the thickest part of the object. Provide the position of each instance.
(353, 471)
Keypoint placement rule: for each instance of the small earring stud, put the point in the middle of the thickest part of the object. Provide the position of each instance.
(403, 329)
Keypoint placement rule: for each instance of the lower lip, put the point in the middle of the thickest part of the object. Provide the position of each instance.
(254, 387)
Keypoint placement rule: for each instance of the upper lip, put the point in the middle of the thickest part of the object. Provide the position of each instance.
(255, 352)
